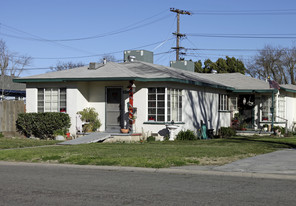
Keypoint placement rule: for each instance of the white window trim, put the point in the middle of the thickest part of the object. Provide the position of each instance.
(222, 98)
(58, 101)
(179, 93)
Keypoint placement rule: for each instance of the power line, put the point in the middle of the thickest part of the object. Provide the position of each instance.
(42, 39)
(124, 29)
(96, 55)
(245, 12)
(245, 36)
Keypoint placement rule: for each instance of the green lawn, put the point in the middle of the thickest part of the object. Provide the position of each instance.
(7, 143)
(155, 155)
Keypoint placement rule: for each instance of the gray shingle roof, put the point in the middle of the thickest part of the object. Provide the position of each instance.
(152, 72)
(10, 85)
(288, 86)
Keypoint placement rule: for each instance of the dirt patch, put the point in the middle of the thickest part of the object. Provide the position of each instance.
(220, 160)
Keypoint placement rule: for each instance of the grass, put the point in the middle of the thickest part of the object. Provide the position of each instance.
(155, 154)
(8, 143)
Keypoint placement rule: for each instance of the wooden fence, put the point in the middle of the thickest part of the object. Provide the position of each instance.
(9, 111)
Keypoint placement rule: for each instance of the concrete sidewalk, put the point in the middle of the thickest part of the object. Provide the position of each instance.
(281, 162)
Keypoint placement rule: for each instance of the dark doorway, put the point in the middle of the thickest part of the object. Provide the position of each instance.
(246, 104)
(113, 109)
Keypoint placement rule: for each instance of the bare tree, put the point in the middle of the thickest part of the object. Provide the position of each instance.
(270, 62)
(11, 64)
(66, 65)
(289, 62)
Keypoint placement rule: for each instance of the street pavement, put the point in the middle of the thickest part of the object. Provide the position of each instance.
(58, 184)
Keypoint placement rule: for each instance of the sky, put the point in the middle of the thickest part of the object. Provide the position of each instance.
(84, 31)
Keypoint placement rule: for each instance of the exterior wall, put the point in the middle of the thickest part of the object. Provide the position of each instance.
(198, 104)
(201, 104)
(31, 99)
(291, 111)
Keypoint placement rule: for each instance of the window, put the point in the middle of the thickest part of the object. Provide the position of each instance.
(233, 104)
(52, 100)
(281, 108)
(164, 104)
(174, 105)
(223, 102)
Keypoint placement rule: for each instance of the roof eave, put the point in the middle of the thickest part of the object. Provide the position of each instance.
(39, 80)
(255, 90)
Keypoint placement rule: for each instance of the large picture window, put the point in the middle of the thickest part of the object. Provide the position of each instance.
(164, 104)
(52, 100)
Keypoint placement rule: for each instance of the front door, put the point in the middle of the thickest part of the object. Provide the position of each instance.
(113, 109)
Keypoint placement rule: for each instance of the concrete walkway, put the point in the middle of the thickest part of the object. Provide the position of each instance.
(90, 138)
(281, 163)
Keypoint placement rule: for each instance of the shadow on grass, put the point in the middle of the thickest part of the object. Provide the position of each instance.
(273, 141)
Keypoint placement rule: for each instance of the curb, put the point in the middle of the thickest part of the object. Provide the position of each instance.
(180, 171)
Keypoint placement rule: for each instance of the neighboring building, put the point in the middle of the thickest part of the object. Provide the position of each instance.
(11, 89)
(162, 94)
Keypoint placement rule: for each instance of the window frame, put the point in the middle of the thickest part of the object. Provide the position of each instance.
(223, 104)
(42, 99)
(166, 104)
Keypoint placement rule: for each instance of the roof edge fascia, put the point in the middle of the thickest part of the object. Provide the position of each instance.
(255, 90)
(39, 80)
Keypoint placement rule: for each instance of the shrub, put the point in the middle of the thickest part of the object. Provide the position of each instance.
(42, 125)
(227, 131)
(1, 135)
(91, 116)
(150, 139)
(186, 135)
(281, 129)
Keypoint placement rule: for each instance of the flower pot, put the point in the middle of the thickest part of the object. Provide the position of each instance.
(124, 130)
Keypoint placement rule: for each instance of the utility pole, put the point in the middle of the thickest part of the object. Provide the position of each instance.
(178, 34)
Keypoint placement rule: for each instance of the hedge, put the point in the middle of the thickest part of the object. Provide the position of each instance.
(42, 125)
(227, 132)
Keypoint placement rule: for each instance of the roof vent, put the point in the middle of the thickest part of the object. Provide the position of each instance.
(131, 58)
(94, 65)
(214, 71)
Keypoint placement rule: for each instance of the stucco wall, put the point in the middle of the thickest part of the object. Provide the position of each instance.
(290, 110)
(31, 99)
(199, 103)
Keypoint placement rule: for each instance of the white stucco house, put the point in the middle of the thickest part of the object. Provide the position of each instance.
(162, 94)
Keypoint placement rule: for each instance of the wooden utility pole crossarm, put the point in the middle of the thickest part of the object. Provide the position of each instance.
(178, 34)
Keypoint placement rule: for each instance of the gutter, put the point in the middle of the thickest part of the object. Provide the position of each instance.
(192, 82)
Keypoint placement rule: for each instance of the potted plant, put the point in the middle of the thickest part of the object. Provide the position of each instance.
(90, 116)
(243, 126)
(265, 127)
(123, 130)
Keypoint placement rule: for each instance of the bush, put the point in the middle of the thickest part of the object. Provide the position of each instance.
(91, 116)
(227, 131)
(150, 139)
(186, 135)
(1, 135)
(281, 129)
(42, 125)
